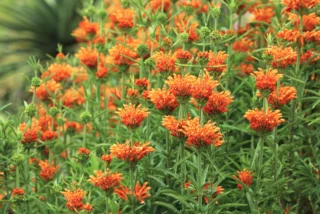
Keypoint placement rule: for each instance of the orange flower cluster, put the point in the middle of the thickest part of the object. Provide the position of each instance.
(132, 116)
(122, 55)
(281, 56)
(47, 171)
(282, 97)
(209, 191)
(58, 72)
(165, 63)
(262, 121)
(174, 126)
(131, 153)
(140, 192)
(202, 88)
(123, 18)
(245, 177)
(217, 62)
(88, 57)
(205, 135)
(297, 5)
(266, 81)
(164, 100)
(106, 181)
(73, 97)
(218, 102)
(47, 90)
(74, 200)
(17, 192)
(181, 87)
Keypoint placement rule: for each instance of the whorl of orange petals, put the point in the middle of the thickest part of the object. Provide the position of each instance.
(106, 158)
(124, 18)
(309, 21)
(91, 28)
(106, 181)
(142, 83)
(291, 35)
(102, 72)
(47, 171)
(218, 103)
(131, 153)
(47, 89)
(180, 86)
(263, 14)
(282, 57)
(164, 100)
(17, 192)
(203, 87)
(160, 5)
(245, 177)
(30, 136)
(207, 192)
(242, 45)
(246, 68)
(310, 57)
(266, 81)
(174, 126)
(297, 5)
(183, 56)
(74, 199)
(282, 97)
(217, 62)
(122, 55)
(83, 151)
(262, 121)
(205, 135)
(132, 116)
(195, 4)
(140, 192)
(165, 63)
(48, 135)
(58, 72)
(88, 57)
(73, 97)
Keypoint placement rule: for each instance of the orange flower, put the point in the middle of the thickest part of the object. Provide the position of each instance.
(58, 72)
(174, 126)
(202, 88)
(242, 45)
(195, 4)
(123, 18)
(264, 14)
(164, 100)
(132, 116)
(207, 192)
(129, 153)
(165, 63)
(122, 55)
(282, 97)
(74, 199)
(49, 135)
(91, 28)
(263, 122)
(198, 135)
(88, 57)
(102, 72)
(87, 207)
(310, 55)
(203, 57)
(282, 57)
(246, 68)
(183, 56)
(142, 83)
(291, 35)
(160, 5)
(47, 171)
(73, 97)
(106, 181)
(266, 81)
(140, 192)
(309, 21)
(17, 192)
(30, 136)
(83, 151)
(245, 177)
(181, 86)
(217, 62)
(107, 159)
(47, 89)
(299, 4)
(218, 102)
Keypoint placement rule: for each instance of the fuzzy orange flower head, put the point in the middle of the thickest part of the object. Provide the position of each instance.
(245, 177)
(164, 100)
(161, 5)
(30, 136)
(74, 199)
(309, 22)
(263, 122)
(200, 136)
(182, 56)
(242, 45)
(217, 63)
(209, 191)
(218, 103)
(122, 56)
(132, 116)
(17, 192)
(203, 58)
(266, 81)
(165, 63)
(17, 195)
(47, 171)
(142, 83)
(281, 57)
(297, 5)
(107, 159)
(140, 192)
(202, 88)
(88, 57)
(279, 98)
(174, 126)
(47, 90)
(73, 97)
(58, 72)
(123, 18)
(181, 87)
(131, 153)
(83, 154)
(106, 181)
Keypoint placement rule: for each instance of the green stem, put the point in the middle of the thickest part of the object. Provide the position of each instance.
(259, 170)
(132, 180)
(199, 180)
(28, 181)
(168, 155)
(107, 205)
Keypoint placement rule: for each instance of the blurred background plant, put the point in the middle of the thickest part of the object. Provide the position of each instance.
(31, 28)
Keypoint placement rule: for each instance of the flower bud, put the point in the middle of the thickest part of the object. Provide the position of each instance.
(31, 110)
(54, 111)
(215, 12)
(184, 37)
(204, 32)
(85, 117)
(18, 159)
(150, 62)
(162, 18)
(142, 50)
(35, 81)
(102, 14)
